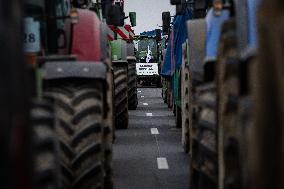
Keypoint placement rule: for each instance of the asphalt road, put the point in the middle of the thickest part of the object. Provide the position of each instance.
(149, 154)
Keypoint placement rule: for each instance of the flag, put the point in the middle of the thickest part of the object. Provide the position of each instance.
(149, 55)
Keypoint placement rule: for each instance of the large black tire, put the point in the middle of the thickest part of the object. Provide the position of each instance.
(132, 87)
(164, 89)
(185, 99)
(204, 152)
(46, 167)
(178, 116)
(121, 97)
(198, 106)
(80, 112)
(193, 117)
(268, 112)
(169, 94)
(228, 129)
(109, 131)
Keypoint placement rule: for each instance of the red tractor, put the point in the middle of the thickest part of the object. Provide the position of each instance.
(68, 49)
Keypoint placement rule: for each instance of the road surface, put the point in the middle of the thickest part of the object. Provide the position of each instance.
(149, 154)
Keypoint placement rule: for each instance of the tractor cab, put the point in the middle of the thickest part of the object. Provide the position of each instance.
(149, 57)
(147, 50)
(45, 26)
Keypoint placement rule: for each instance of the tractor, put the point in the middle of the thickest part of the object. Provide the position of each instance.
(131, 59)
(227, 127)
(120, 38)
(268, 110)
(16, 130)
(123, 62)
(68, 48)
(28, 142)
(172, 66)
(149, 56)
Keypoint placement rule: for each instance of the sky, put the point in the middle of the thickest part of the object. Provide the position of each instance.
(149, 13)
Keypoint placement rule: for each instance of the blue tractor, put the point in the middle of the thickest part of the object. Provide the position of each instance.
(227, 91)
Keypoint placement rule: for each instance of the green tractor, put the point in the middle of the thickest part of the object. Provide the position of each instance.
(125, 82)
(120, 68)
(149, 58)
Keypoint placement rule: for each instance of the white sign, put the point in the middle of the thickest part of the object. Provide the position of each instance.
(31, 35)
(147, 69)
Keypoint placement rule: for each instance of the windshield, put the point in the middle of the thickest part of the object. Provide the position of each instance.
(42, 8)
(147, 50)
(145, 43)
(50, 14)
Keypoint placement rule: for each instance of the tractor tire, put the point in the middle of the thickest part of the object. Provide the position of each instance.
(228, 128)
(158, 82)
(109, 134)
(132, 87)
(268, 112)
(165, 96)
(164, 89)
(178, 116)
(121, 97)
(193, 115)
(45, 146)
(204, 151)
(169, 95)
(185, 106)
(80, 109)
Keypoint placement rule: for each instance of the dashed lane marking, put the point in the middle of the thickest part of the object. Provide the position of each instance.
(162, 163)
(154, 131)
(145, 104)
(139, 91)
(149, 114)
(142, 96)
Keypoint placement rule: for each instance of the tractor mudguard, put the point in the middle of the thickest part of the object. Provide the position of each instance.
(81, 69)
(196, 47)
(87, 37)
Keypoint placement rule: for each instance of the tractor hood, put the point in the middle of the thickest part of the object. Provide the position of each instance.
(74, 69)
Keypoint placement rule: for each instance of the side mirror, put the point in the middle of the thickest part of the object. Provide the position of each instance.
(166, 16)
(158, 35)
(176, 2)
(132, 16)
(115, 16)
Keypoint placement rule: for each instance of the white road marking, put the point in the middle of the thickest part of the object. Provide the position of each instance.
(139, 91)
(145, 104)
(154, 131)
(149, 114)
(142, 96)
(162, 163)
